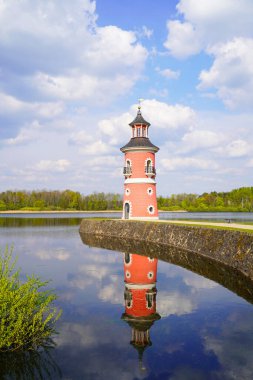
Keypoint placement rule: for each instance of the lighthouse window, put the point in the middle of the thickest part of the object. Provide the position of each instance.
(149, 299)
(128, 299)
(127, 191)
(150, 275)
(151, 209)
(150, 191)
(138, 132)
(150, 259)
(128, 258)
(128, 274)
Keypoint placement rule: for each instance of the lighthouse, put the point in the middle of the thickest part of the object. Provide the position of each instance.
(140, 173)
(140, 299)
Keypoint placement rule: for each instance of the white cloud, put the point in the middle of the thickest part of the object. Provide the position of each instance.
(233, 345)
(93, 63)
(78, 86)
(116, 128)
(59, 254)
(182, 40)
(198, 282)
(146, 32)
(205, 27)
(111, 48)
(169, 74)
(250, 163)
(188, 163)
(231, 72)
(113, 292)
(97, 148)
(205, 23)
(163, 115)
(80, 138)
(10, 104)
(237, 148)
(52, 166)
(25, 135)
(173, 303)
(200, 139)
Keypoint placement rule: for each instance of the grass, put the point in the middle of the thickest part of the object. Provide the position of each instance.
(211, 226)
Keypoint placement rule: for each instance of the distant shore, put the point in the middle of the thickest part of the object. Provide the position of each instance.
(57, 212)
(69, 211)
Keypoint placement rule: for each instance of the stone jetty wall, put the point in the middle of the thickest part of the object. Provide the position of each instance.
(232, 248)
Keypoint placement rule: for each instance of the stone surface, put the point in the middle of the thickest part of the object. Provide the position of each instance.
(232, 248)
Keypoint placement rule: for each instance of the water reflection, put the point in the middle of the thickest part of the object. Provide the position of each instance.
(205, 331)
(230, 278)
(24, 365)
(140, 300)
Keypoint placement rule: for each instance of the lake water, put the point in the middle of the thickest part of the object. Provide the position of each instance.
(201, 329)
(213, 216)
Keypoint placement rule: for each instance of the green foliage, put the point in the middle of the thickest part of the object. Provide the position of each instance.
(235, 200)
(58, 200)
(27, 317)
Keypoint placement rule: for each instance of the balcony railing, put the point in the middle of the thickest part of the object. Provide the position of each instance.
(127, 170)
(150, 171)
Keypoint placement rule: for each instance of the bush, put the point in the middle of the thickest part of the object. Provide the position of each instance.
(27, 316)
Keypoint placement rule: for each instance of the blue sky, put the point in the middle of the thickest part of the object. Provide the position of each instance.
(71, 74)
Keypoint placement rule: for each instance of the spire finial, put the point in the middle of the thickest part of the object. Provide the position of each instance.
(139, 106)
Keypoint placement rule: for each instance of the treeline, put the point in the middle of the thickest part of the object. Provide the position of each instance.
(58, 200)
(235, 200)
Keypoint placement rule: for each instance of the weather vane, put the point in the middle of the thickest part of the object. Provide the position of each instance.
(139, 101)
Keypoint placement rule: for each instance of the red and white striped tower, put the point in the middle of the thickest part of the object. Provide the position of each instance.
(139, 171)
(140, 299)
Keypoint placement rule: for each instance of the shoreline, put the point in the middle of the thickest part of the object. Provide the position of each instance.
(57, 212)
(73, 212)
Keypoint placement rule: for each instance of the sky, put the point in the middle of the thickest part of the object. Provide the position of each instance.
(71, 74)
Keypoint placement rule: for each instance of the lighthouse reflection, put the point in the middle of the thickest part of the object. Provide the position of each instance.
(140, 274)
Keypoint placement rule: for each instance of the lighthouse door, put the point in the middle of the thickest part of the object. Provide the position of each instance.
(127, 210)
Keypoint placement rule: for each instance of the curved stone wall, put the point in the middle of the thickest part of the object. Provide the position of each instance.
(232, 248)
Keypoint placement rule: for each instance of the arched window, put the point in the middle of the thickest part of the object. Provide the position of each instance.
(128, 258)
(127, 210)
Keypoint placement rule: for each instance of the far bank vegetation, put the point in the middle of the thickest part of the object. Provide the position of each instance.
(236, 200)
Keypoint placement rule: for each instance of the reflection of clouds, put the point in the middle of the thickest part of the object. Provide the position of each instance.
(187, 373)
(102, 256)
(58, 254)
(98, 330)
(198, 282)
(234, 346)
(98, 350)
(170, 270)
(112, 292)
(96, 271)
(89, 274)
(76, 334)
(174, 303)
(80, 282)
